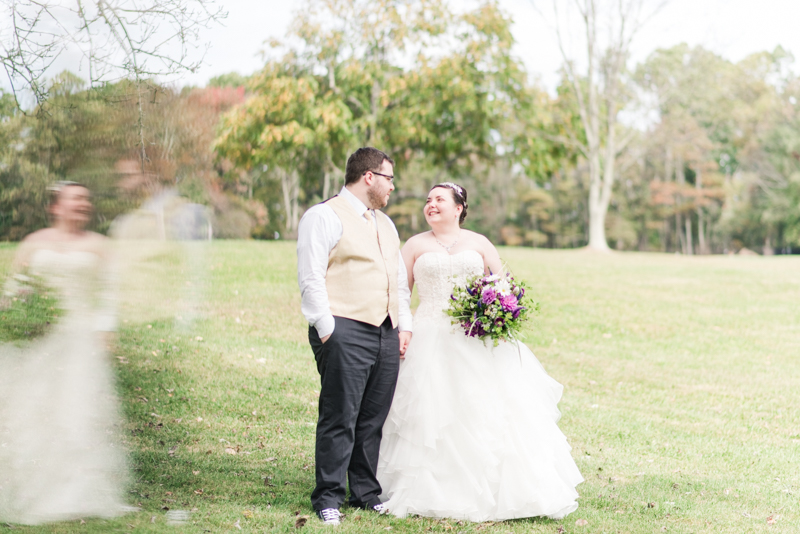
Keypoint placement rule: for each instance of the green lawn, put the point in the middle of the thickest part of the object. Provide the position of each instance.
(681, 394)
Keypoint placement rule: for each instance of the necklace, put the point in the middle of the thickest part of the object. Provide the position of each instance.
(445, 247)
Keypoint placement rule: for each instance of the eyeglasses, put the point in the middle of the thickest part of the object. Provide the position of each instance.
(391, 178)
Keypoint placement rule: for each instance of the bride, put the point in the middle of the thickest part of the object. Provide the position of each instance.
(57, 403)
(472, 431)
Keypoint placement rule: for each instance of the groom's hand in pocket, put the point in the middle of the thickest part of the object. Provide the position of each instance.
(405, 339)
(324, 339)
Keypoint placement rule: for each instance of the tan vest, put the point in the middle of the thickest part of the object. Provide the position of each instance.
(362, 267)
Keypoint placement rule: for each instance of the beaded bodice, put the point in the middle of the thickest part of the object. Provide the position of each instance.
(435, 275)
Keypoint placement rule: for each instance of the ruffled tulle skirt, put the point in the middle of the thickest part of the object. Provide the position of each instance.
(472, 433)
(59, 419)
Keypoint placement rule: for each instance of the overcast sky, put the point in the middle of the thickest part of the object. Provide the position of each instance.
(732, 28)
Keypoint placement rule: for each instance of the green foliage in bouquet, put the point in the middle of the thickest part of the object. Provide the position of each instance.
(491, 307)
(28, 310)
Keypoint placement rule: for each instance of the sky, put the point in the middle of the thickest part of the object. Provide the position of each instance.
(731, 28)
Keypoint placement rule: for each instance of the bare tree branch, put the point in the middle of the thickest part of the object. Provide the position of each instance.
(117, 38)
(600, 91)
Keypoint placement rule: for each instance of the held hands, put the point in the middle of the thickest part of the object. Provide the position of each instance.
(405, 339)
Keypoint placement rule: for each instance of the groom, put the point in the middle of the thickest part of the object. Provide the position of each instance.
(356, 299)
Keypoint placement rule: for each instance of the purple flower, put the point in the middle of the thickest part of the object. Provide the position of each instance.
(517, 311)
(509, 302)
(473, 329)
(488, 295)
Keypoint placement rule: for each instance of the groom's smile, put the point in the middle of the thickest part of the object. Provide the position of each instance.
(382, 186)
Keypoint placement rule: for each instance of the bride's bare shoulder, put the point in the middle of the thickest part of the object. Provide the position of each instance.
(477, 240)
(94, 237)
(417, 240)
(51, 234)
(39, 236)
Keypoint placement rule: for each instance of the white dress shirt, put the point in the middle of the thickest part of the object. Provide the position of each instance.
(319, 231)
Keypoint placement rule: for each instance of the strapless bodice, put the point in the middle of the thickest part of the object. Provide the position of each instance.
(82, 282)
(435, 275)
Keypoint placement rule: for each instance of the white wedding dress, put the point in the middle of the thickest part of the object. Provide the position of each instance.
(58, 410)
(472, 431)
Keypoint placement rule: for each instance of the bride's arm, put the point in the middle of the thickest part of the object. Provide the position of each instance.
(19, 265)
(491, 258)
(24, 252)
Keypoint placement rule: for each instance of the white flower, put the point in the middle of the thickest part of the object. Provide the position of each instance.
(492, 278)
(503, 287)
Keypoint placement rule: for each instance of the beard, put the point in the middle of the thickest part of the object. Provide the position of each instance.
(377, 198)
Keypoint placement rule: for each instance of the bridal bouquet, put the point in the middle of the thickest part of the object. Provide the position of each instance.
(492, 306)
(28, 309)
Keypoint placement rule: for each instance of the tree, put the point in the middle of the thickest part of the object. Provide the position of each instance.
(692, 90)
(599, 84)
(289, 119)
(85, 137)
(721, 149)
(116, 39)
(22, 183)
(433, 89)
(135, 40)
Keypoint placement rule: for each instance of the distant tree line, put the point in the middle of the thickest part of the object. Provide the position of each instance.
(705, 155)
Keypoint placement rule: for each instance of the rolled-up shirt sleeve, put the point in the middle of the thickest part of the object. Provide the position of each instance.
(317, 234)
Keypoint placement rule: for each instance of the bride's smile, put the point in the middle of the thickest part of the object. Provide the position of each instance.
(440, 207)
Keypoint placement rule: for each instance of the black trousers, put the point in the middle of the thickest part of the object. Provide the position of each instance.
(358, 366)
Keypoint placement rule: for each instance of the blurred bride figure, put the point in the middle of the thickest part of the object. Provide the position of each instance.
(58, 410)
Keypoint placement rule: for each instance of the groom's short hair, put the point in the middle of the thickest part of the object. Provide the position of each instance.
(362, 160)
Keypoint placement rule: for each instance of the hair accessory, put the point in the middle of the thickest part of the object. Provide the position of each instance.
(58, 186)
(54, 190)
(454, 187)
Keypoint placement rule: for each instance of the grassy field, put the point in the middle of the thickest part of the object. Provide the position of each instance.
(681, 396)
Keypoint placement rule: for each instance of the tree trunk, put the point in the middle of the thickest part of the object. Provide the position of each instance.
(668, 177)
(605, 65)
(290, 187)
(642, 240)
(689, 247)
(597, 209)
(326, 185)
(680, 179)
(768, 250)
(701, 238)
(372, 133)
